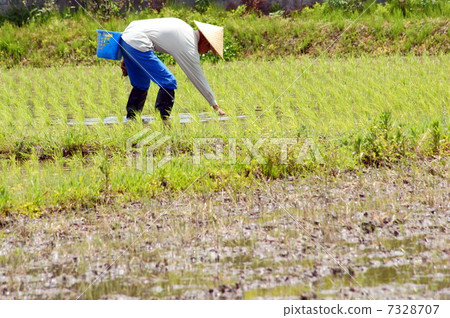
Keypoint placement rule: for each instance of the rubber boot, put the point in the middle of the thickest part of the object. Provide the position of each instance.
(135, 102)
(164, 102)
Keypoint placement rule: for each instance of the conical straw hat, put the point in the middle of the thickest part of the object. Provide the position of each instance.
(214, 35)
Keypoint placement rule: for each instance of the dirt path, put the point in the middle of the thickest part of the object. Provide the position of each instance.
(378, 234)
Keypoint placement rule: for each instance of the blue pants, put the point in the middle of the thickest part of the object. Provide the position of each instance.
(145, 66)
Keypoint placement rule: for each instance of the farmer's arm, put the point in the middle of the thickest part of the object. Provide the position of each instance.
(190, 64)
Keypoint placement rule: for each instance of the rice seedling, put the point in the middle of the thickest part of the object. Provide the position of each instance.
(336, 104)
(354, 150)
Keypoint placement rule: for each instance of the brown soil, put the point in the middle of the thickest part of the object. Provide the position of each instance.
(380, 234)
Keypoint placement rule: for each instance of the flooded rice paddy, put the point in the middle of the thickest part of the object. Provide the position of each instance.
(379, 234)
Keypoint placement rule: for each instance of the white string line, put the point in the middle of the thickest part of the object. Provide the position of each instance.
(320, 245)
(282, 207)
(134, 59)
(136, 239)
(99, 276)
(314, 61)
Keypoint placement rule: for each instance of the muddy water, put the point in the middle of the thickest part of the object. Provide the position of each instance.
(376, 235)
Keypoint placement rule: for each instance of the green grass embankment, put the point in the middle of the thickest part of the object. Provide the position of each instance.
(70, 39)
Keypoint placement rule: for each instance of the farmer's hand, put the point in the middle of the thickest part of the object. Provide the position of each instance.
(124, 69)
(220, 111)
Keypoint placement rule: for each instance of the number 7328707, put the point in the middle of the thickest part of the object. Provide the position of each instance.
(413, 309)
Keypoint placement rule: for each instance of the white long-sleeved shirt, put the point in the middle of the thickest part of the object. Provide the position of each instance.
(175, 37)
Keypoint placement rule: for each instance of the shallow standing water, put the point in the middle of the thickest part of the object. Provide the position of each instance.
(376, 235)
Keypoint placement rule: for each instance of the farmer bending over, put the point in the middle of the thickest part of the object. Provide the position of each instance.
(175, 37)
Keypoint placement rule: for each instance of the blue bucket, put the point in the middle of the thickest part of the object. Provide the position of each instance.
(108, 45)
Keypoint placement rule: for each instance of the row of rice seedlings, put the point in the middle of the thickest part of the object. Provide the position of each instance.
(331, 97)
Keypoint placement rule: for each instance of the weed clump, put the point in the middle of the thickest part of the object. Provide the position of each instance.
(388, 143)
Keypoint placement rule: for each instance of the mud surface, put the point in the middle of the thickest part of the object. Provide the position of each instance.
(380, 234)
